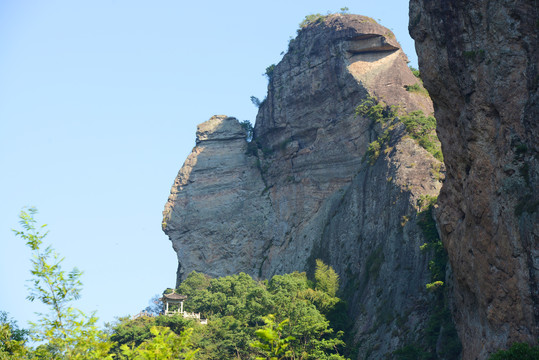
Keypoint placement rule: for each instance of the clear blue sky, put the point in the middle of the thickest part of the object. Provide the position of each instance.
(99, 102)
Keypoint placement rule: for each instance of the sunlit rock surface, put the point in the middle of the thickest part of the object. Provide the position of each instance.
(304, 188)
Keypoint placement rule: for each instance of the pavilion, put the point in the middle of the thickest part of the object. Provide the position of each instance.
(173, 299)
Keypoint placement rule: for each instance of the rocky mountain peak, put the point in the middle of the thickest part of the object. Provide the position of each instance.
(219, 127)
(335, 170)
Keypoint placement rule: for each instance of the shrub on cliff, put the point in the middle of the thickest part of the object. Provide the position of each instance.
(312, 19)
(423, 129)
(248, 128)
(518, 351)
(269, 72)
(415, 71)
(417, 88)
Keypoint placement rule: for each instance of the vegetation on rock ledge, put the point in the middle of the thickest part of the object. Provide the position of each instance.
(421, 128)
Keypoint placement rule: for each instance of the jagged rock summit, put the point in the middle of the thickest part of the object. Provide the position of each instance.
(321, 179)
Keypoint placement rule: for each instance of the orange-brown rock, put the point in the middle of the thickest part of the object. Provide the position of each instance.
(480, 60)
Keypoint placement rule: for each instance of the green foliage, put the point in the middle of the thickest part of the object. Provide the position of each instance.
(224, 338)
(423, 129)
(248, 128)
(12, 339)
(133, 332)
(311, 20)
(164, 345)
(410, 352)
(372, 109)
(252, 150)
(256, 101)
(237, 305)
(345, 10)
(271, 343)
(66, 331)
(373, 151)
(156, 306)
(415, 71)
(440, 340)
(417, 124)
(425, 220)
(420, 127)
(426, 201)
(416, 88)
(517, 351)
(10, 324)
(436, 171)
(326, 278)
(435, 285)
(286, 314)
(269, 72)
(377, 112)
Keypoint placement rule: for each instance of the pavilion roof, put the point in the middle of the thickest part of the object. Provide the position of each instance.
(174, 296)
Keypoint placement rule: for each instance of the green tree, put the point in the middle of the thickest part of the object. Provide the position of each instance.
(164, 345)
(133, 332)
(271, 343)
(294, 299)
(326, 278)
(12, 339)
(236, 307)
(66, 331)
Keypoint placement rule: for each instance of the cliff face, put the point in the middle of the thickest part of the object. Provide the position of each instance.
(312, 185)
(479, 61)
(215, 204)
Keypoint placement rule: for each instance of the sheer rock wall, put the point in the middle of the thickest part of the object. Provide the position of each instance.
(479, 61)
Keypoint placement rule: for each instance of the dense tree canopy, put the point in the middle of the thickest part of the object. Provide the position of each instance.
(238, 308)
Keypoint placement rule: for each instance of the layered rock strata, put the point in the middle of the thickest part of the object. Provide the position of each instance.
(479, 61)
(215, 204)
(306, 186)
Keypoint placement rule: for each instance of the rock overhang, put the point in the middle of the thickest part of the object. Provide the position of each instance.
(348, 27)
(220, 127)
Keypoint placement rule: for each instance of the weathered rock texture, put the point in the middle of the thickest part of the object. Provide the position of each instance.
(479, 61)
(215, 203)
(304, 188)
